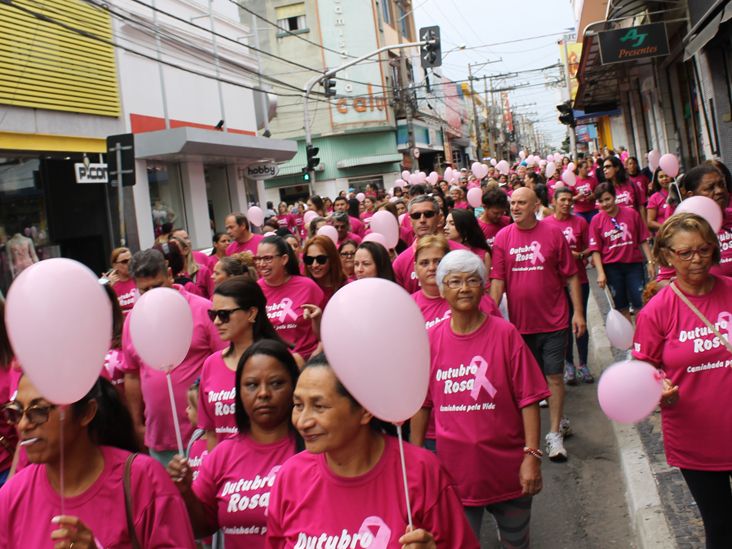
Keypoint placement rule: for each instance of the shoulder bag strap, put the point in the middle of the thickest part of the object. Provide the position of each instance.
(701, 316)
(128, 502)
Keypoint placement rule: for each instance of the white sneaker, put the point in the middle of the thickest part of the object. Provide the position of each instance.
(565, 429)
(555, 447)
(543, 404)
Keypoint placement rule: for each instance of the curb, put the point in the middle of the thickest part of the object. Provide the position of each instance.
(644, 502)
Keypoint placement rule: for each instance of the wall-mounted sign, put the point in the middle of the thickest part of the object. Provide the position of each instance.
(262, 170)
(91, 173)
(618, 46)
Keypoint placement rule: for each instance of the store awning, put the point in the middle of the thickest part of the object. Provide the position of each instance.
(367, 160)
(196, 144)
(706, 29)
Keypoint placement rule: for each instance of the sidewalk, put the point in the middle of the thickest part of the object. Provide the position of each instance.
(662, 511)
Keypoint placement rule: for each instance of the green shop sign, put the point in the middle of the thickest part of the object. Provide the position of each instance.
(633, 43)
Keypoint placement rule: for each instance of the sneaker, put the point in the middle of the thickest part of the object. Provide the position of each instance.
(585, 375)
(543, 404)
(565, 429)
(570, 374)
(555, 447)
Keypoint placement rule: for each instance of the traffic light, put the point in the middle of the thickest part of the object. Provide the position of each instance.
(566, 115)
(312, 155)
(329, 85)
(430, 53)
(305, 175)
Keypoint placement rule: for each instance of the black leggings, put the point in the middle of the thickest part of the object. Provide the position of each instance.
(713, 496)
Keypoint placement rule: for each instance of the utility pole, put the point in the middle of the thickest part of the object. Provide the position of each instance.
(406, 100)
(475, 113)
(568, 80)
(491, 113)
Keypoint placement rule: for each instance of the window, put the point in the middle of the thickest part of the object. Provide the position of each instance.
(386, 11)
(166, 196)
(403, 20)
(358, 184)
(291, 18)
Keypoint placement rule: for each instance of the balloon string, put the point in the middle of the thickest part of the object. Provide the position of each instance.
(404, 476)
(174, 409)
(609, 296)
(62, 416)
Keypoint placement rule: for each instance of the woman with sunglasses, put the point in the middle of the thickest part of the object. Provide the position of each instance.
(347, 251)
(323, 265)
(673, 334)
(232, 489)
(372, 261)
(294, 302)
(95, 452)
(627, 193)
(120, 279)
(347, 490)
(617, 237)
(239, 314)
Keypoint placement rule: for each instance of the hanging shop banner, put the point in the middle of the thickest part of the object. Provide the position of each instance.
(629, 44)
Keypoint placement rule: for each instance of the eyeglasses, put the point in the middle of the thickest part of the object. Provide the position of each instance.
(429, 214)
(224, 315)
(348, 254)
(319, 259)
(608, 167)
(457, 283)
(264, 258)
(687, 255)
(36, 413)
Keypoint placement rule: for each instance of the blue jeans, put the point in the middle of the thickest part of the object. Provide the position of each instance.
(626, 281)
(4, 477)
(583, 341)
(587, 216)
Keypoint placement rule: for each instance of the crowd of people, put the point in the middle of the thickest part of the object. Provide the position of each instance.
(280, 454)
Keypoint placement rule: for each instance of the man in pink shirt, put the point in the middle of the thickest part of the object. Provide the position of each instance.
(342, 224)
(145, 387)
(242, 239)
(424, 213)
(340, 205)
(493, 218)
(532, 263)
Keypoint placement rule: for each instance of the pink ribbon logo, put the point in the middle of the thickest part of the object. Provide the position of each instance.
(536, 249)
(286, 309)
(726, 319)
(380, 540)
(626, 233)
(569, 235)
(480, 378)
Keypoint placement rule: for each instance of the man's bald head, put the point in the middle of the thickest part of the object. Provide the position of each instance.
(524, 204)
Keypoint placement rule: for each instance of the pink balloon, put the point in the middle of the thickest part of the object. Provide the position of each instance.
(493, 162)
(703, 207)
(391, 379)
(629, 391)
(401, 218)
(557, 157)
(360, 197)
(482, 171)
(330, 232)
(503, 167)
(432, 178)
(270, 233)
(619, 330)
(308, 216)
(551, 167)
(405, 175)
(376, 237)
(653, 158)
(550, 158)
(475, 166)
(669, 164)
(447, 176)
(421, 178)
(59, 321)
(571, 166)
(542, 163)
(155, 316)
(386, 224)
(522, 154)
(475, 196)
(255, 215)
(569, 178)
(400, 183)
(530, 160)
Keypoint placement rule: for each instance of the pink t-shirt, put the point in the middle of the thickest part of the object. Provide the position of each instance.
(618, 241)
(670, 336)
(404, 266)
(490, 230)
(641, 183)
(7, 431)
(585, 187)
(437, 309)
(725, 248)
(351, 236)
(461, 204)
(248, 246)
(628, 194)
(406, 231)
(200, 257)
(476, 428)
(284, 310)
(234, 485)
(657, 202)
(366, 217)
(216, 397)
(28, 502)
(126, 294)
(535, 265)
(286, 221)
(159, 430)
(197, 452)
(312, 507)
(576, 232)
(357, 226)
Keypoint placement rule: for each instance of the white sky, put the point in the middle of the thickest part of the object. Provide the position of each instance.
(479, 22)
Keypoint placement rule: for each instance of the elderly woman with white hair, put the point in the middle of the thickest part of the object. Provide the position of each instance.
(485, 388)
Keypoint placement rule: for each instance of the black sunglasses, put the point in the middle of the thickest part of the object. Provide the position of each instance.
(429, 214)
(36, 414)
(319, 259)
(224, 315)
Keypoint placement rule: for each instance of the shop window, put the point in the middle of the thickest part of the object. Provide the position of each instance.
(358, 184)
(166, 196)
(217, 194)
